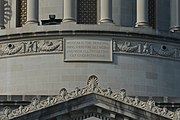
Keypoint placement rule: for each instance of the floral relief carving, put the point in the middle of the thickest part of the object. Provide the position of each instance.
(11, 49)
(146, 49)
(127, 47)
(30, 47)
(50, 46)
(92, 87)
(164, 51)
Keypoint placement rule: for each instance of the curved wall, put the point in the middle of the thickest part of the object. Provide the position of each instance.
(47, 74)
(151, 70)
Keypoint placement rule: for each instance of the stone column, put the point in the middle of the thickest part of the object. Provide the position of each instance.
(32, 11)
(1, 14)
(142, 13)
(106, 11)
(69, 11)
(175, 15)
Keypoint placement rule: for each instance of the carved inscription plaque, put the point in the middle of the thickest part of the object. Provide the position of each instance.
(88, 50)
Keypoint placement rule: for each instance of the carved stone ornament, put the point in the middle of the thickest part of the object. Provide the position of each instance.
(150, 104)
(127, 47)
(92, 87)
(30, 47)
(49, 45)
(146, 49)
(177, 114)
(164, 51)
(11, 49)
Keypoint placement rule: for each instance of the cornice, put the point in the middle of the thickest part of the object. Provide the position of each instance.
(89, 30)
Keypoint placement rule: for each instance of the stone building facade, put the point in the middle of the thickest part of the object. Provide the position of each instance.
(47, 45)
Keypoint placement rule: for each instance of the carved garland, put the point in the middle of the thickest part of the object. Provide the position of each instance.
(147, 49)
(123, 47)
(92, 87)
(30, 47)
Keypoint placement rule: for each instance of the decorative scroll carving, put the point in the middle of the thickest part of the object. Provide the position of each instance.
(146, 49)
(92, 87)
(127, 47)
(30, 47)
(63, 94)
(150, 104)
(164, 51)
(121, 95)
(76, 93)
(11, 49)
(6, 111)
(50, 46)
(177, 114)
(164, 111)
(136, 101)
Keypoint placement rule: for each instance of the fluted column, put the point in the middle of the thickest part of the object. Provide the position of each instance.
(69, 11)
(32, 11)
(142, 13)
(106, 11)
(175, 15)
(1, 14)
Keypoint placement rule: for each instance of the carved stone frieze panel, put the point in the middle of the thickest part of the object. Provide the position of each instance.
(8, 49)
(146, 49)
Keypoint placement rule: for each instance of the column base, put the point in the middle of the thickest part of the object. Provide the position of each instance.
(102, 21)
(68, 20)
(142, 24)
(32, 22)
(175, 29)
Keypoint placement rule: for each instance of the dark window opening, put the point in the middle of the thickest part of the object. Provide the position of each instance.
(152, 13)
(87, 12)
(22, 12)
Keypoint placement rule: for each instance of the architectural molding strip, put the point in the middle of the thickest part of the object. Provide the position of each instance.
(147, 49)
(19, 48)
(140, 48)
(92, 87)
